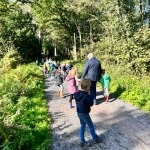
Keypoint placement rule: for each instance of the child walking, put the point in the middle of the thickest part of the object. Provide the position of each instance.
(105, 82)
(59, 82)
(37, 63)
(52, 68)
(72, 88)
(83, 102)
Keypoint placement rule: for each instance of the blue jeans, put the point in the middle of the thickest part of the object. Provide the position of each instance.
(86, 119)
(93, 90)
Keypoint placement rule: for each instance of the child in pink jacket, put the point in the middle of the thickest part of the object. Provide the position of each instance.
(72, 86)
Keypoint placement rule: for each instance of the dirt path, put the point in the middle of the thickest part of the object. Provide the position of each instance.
(121, 126)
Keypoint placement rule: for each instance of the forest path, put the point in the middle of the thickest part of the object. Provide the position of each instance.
(121, 126)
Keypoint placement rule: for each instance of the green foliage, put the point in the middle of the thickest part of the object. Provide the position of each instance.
(129, 88)
(24, 122)
(17, 29)
(125, 85)
(132, 54)
(114, 30)
(11, 60)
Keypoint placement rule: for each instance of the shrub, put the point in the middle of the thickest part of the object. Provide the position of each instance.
(126, 86)
(24, 122)
(11, 60)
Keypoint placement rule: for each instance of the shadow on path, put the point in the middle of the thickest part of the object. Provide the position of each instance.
(120, 125)
(117, 93)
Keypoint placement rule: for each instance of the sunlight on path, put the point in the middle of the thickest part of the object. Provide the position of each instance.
(121, 126)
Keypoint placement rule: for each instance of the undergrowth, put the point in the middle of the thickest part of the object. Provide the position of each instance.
(126, 86)
(24, 121)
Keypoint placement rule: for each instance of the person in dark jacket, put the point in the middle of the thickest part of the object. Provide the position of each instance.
(83, 103)
(63, 70)
(68, 67)
(58, 65)
(59, 82)
(93, 71)
(37, 63)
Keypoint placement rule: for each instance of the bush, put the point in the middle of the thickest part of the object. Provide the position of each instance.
(24, 122)
(11, 60)
(126, 86)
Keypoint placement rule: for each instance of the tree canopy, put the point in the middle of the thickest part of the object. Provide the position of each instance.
(115, 31)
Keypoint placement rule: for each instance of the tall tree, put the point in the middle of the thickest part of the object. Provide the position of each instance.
(17, 28)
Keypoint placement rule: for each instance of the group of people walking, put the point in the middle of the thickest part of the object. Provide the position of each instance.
(83, 90)
(49, 66)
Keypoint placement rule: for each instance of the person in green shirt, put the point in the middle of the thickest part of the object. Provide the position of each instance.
(105, 82)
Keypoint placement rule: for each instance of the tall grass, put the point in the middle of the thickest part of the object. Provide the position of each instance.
(126, 86)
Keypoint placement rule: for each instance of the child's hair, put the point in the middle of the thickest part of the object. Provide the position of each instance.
(72, 72)
(85, 84)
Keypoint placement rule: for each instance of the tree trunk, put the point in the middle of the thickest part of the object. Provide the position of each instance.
(91, 37)
(148, 3)
(141, 12)
(80, 39)
(55, 51)
(40, 41)
(75, 48)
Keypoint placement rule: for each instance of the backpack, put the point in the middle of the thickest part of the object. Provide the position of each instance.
(59, 79)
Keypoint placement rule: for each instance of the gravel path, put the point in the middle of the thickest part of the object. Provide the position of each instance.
(121, 126)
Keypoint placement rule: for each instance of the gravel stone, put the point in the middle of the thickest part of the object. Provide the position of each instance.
(120, 125)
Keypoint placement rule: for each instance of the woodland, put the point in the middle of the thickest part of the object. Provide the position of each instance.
(117, 32)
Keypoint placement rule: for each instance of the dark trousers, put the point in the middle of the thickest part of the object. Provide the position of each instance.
(93, 90)
(71, 97)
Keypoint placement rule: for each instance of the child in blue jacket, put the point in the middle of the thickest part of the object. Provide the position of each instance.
(105, 82)
(83, 103)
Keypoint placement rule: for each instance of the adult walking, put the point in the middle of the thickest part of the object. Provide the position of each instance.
(52, 68)
(93, 71)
